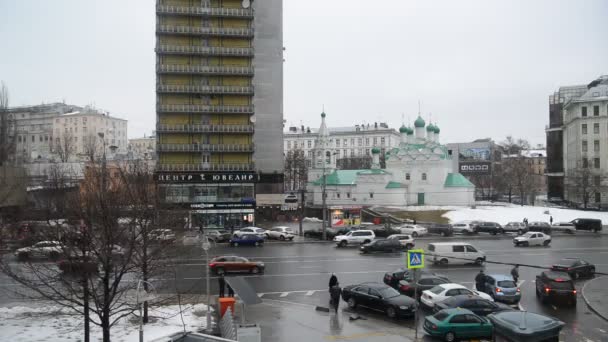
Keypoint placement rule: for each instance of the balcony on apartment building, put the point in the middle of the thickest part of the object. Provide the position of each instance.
(205, 11)
(195, 108)
(206, 31)
(203, 128)
(205, 147)
(203, 50)
(206, 89)
(204, 69)
(206, 167)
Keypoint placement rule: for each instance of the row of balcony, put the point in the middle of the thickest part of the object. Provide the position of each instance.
(202, 128)
(204, 69)
(206, 167)
(206, 31)
(204, 50)
(193, 108)
(205, 147)
(207, 89)
(205, 11)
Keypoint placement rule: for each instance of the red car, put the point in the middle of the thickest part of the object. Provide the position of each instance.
(224, 264)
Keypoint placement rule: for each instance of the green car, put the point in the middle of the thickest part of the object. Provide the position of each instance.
(455, 324)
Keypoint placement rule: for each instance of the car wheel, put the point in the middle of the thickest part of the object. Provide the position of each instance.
(516, 244)
(235, 236)
(391, 312)
(409, 246)
(255, 270)
(592, 272)
(493, 232)
(54, 255)
(501, 231)
(24, 256)
(526, 244)
(267, 236)
(519, 232)
(546, 243)
(235, 244)
(342, 243)
(282, 238)
(479, 261)
(366, 241)
(450, 337)
(414, 234)
(443, 261)
(352, 303)
(537, 293)
(220, 271)
(257, 243)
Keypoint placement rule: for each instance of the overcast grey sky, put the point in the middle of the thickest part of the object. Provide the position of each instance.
(482, 68)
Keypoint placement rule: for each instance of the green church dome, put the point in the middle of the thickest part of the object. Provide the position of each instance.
(375, 150)
(403, 129)
(419, 122)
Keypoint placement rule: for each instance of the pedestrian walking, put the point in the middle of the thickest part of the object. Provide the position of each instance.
(230, 291)
(515, 273)
(551, 219)
(414, 221)
(480, 281)
(335, 292)
(222, 283)
(333, 280)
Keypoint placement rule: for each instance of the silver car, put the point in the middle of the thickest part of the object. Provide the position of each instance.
(515, 227)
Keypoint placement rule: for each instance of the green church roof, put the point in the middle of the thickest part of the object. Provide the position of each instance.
(430, 128)
(375, 150)
(457, 180)
(437, 130)
(395, 185)
(419, 122)
(347, 177)
(403, 129)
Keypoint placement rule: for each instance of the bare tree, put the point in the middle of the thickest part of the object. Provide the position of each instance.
(91, 147)
(296, 170)
(7, 128)
(583, 181)
(513, 146)
(64, 146)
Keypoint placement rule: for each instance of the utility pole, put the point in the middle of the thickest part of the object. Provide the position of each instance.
(301, 210)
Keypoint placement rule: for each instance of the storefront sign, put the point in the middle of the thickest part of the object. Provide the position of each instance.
(238, 177)
(222, 205)
(480, 168)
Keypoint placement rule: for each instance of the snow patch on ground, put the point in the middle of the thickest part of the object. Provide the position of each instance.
(53, 324)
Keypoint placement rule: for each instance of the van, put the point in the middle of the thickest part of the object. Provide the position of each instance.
(587, 224)
(444, 253)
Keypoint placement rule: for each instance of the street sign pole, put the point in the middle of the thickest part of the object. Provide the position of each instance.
(416, 304)
(415, 260)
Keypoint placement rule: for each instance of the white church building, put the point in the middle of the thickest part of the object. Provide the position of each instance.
(419, 171)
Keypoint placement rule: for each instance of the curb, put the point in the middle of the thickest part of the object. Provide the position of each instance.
(587, 301)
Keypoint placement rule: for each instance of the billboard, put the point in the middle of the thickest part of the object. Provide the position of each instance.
(475, 167)
(483, 153)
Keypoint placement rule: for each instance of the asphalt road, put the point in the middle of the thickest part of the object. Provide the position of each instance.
(299, 273)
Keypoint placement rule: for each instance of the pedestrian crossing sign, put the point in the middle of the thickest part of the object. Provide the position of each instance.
(415, 258)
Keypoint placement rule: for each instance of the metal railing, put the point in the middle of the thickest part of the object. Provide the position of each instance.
(204, 69)
(204, 50)
(228, 326)
(186, 108)
(205, 147)
(206, 167)
(209, 31)
(210, 89)
(203, 11)
(202, 128)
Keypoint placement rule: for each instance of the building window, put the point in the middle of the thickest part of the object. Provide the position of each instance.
(337, 143)
(352, 142)
(584, 128)
(348, 195)
(407, 176)
(596, 128)
(598, 197)
(596, 163)
(345, 153)
(360, 141)
(597, 181)
(40, 138)
(288, 144)
(33, 138)
(352, 153)
(371, 195)
(596, 110)
(584, 145)
(423, 176)
(337, 194)
(585, 163)
(596, 145)
(375, 141)
(382, 142)
(366, 141)
(583, 111)
(19, 138)
(367, 152)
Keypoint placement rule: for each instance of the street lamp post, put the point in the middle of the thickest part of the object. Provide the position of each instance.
(140, 305)
(206, 246)
(324, 194)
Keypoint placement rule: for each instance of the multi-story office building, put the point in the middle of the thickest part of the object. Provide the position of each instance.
(577, 143)
(479, 161)
(219, 106)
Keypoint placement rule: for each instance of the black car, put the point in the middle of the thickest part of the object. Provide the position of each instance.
(575, 268)
(402, 280)
(78, 265)
(543, 227)
(489, 227)
(440, 229)
(330, 233)
(379, 297)
(476, 304)
(554, 287)
(382, 245)
(587, 224)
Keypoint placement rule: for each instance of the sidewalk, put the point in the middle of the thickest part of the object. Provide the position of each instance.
(594, 294)
(286, 321)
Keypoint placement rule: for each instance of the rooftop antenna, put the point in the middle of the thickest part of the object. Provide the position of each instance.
(403, 119)
(418, 107)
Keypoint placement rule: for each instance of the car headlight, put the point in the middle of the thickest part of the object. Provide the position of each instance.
(404, 307)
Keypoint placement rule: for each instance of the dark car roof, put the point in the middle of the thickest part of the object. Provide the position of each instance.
(459, 299)
(554, 275)
(567, 261)
(374, 285)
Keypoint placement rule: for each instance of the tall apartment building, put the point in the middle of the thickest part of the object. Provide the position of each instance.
(577, 143)
(219, 81)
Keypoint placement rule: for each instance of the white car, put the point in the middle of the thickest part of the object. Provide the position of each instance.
(566, 227)
(532, 239)
(355, 237)
(42, 249)
(464, 228)
(413, 230)
(281, 233)
(443, 291)
(405, 240)
(162, 235)
(250, 230)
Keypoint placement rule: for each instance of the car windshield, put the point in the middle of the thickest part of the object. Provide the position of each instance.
(388, 292)
(506, 283)
(441, 316)
(528, 234)
(567, 262)
(437, 289)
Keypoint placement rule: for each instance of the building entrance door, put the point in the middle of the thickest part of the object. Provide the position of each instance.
(421, 198)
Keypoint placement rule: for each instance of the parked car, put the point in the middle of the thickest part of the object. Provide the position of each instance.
(455, 324)
(191, 239)
(246, 240)
(539, 226)
(445, 253)
(443, 291)
(466, 228)
(379, 297)
(330, 232)
(407, 241)
(575, 268)
(382, 245)
(43, 249)
(282, 233)
(566, 227)
(162, 236)
(532, 239)
(405, 284)
(218, 235)
(554, 287)
(489, 227)
(516, 227)
(440, 229)
(502, 288)
(356, 237)
(524, 326)
(413, 230)
(231, 263)
(250, 230)
(476, 304)
(587, 224)
(291, 198)
(78, 265)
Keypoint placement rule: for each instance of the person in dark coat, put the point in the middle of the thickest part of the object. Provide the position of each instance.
(333, 280)
(550, 219)
(480, 281)
(222, 283)
(335, 292)
(515, 273)
(230, 291)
